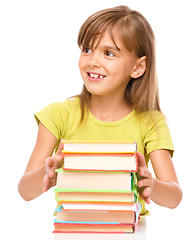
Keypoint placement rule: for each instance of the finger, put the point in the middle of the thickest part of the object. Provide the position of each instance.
(145, 173)
(47, 186)
(50, 161)
(147, 200)
(51, 165)
(144, 183)
(48, 176)
(146, 192)
(59, 151)
(51, 173)
(141, 172)
(145, 195)
(59, 155)
(45, 179)
(141, 160)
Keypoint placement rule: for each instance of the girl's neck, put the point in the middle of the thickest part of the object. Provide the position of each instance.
(109, 109)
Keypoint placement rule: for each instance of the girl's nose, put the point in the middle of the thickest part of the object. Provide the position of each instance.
(94, 62)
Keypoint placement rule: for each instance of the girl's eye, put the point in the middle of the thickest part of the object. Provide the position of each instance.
(109, 54)
(86, 50)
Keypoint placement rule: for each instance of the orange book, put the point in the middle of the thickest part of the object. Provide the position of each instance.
(93, 228)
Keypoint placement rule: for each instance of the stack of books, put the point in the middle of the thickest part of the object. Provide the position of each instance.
(97, 188)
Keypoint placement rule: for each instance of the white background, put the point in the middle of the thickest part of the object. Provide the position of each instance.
(39, 65)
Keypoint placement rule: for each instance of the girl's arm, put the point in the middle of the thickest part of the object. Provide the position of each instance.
(41, 166)
(164, 190)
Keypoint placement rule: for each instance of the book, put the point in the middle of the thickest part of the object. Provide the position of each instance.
(83, 186)
(79, 195)
(97, 216)
(98, 147)
(94, 180)
(97, 188)
(76, 206)
(126, 162)
(93, 228)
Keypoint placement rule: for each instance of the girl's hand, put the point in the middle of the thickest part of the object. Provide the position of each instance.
(52, 163)
(145, 183)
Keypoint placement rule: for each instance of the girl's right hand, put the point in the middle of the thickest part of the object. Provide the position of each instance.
(52, 163)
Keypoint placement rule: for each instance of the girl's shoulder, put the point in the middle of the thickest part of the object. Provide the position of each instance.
(58, 110)
(55, 116)
(150, 118)
(64, 106)
(73, 101)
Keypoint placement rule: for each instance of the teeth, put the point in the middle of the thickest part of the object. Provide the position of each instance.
(95, 76)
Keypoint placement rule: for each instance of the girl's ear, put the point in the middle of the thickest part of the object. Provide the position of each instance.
(140, 67)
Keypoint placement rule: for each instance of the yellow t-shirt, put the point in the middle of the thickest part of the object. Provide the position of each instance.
(62, 119)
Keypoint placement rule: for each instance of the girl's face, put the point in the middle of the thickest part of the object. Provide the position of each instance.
(107, 69)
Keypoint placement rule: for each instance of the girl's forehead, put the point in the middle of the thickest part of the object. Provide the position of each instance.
(119, 32)
(107, 37)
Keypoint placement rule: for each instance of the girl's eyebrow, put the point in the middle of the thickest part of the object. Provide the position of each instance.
(115, 48)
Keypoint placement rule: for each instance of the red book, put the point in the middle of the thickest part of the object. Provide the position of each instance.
(93, 228)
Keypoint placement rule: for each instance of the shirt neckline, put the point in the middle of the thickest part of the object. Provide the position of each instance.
(111, 124)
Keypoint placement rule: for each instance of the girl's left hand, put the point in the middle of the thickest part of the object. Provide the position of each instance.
(145, 183)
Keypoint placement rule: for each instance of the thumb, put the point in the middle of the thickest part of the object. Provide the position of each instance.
(59, 151)
(141, 160)
(58, 156)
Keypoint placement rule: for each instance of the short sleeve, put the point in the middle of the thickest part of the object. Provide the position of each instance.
(53, 117)
(157, 135)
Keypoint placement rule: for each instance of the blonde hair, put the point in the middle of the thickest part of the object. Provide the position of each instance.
(136, 35)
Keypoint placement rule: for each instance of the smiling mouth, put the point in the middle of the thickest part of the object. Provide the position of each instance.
(96, 76)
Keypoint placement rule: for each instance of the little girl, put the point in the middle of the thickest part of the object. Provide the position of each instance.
(119, 101)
